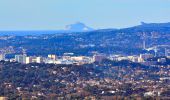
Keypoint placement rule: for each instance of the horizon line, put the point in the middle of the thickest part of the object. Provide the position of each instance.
(64, 30)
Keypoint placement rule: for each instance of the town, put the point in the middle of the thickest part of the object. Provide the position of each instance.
(84, 50)
(81, 77)
(69, 58)
(81, 66)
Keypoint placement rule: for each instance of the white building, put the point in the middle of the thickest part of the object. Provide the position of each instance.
(39, 60)
(28, 60)
(2, 57)
(20, 58)
(34, 60)
(52, 56)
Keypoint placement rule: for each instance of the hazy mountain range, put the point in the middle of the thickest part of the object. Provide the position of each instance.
(81, 27)
(78, 27)
(149, 27)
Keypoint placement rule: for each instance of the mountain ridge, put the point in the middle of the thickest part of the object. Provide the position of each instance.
(80, 27)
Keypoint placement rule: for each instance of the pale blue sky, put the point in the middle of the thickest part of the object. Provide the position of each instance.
(55, 14)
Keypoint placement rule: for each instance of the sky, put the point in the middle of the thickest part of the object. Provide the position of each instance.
(98, 14)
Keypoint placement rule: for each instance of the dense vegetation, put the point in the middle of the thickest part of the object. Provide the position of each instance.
(74, 82)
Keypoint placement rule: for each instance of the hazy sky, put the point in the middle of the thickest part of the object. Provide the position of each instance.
(55, 14)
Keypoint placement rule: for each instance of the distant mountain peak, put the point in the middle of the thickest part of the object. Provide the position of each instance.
(143, 23)
(78, 27)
